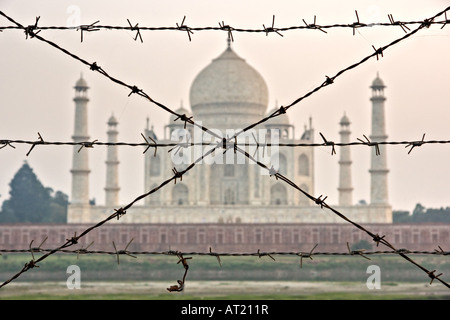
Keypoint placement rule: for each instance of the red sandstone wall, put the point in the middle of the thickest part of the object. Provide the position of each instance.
(227, 237)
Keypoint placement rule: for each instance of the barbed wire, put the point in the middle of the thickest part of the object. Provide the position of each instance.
(82, 251)
(30, 31)
(229, 145)
(230, 29)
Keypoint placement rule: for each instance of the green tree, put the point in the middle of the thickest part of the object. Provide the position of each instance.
(418, 210)
(400, 216)
(30, 201)
(58, 208)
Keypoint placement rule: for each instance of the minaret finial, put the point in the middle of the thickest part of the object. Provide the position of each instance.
(228, 42)
(148, 121)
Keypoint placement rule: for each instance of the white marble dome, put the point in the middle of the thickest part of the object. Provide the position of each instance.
(228, 93)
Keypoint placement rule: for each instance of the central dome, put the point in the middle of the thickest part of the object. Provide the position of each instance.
(228, 93)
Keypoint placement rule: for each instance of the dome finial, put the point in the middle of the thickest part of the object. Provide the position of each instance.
(229, 42)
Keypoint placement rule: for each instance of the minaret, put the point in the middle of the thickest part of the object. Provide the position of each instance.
(112, 166)
(345, 172)
(378, 170)
(80, 165)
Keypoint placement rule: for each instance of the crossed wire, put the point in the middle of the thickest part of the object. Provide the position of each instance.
(30, 32)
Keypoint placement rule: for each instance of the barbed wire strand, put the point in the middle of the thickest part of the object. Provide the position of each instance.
(228, 28)
(155, 144)
(82, 251)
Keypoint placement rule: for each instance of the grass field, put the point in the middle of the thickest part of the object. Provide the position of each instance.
(226, 290)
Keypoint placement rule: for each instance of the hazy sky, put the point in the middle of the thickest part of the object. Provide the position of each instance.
(36, 84)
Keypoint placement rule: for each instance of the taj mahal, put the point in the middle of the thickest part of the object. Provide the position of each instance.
(230, 94)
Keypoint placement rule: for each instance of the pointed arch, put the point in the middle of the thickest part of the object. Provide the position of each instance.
(303, 165)
(304, 200)
(278, 194)
(180, 194)
(155, 166)
(279, 162)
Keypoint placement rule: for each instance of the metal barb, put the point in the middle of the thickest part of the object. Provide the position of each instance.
(415, 144)
(183, 27)
(446, 20)
(357, 24)
(321, 202)
(313, 25)
(87, 145)
(328, 143)
(228, 29)
(73, 240)
(41, 141)
(177, 174)
(262, 254)
(306, 255)
(185, 118)
(134, 89)
(6, 143)
(150, 145)
(124, 251)
(357, 252)
(370, 144)
(88, 28)
(378, 239)
(272, 29)
(433, 276)
(136, 28)
(378, 52)
(119, 213)
(29, 31)
(401, 24)
(216, 255)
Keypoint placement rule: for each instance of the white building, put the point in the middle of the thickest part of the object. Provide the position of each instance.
(229, 94)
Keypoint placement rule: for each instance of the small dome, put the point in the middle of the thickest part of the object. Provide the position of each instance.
(344, 121)
(181, 110)
(81, 83)
(378, 83)
(112, 121)
(281, 120)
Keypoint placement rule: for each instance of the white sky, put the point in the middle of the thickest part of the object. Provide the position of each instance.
(36, 84)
